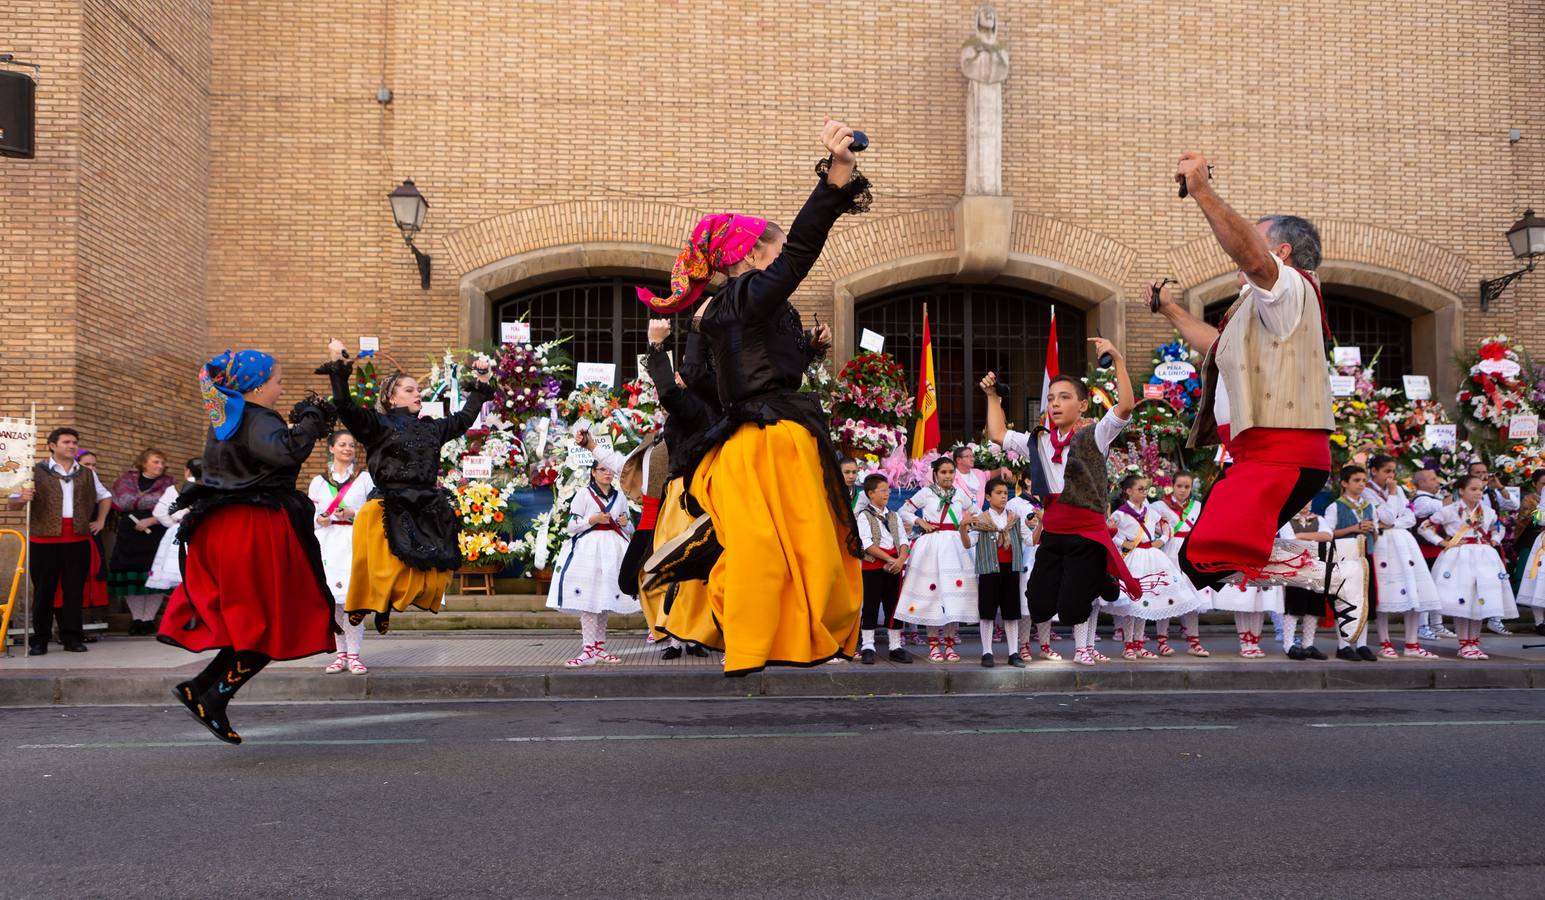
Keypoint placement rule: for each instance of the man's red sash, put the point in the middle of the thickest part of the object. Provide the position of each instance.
(1064, 518)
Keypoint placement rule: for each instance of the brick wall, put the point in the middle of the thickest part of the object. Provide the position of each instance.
(1388, 118)
(144, 183)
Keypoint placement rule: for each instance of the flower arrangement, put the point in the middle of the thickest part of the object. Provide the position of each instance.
(818, 380)
(1494, 389)
(1161, 421)
(1518, 459)
(1449, 464)
(990, 457)
(1363, 418)
(1175, 367)
(485, 512)
(528, 381)
(1143, 457)
(627, 415)
(1102, 389)
(870, 406)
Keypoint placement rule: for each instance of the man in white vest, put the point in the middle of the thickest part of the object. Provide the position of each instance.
(1265, 397)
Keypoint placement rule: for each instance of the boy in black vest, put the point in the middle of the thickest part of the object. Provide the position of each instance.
(1076, 559)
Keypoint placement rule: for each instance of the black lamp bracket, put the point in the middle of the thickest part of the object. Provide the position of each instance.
(1492, 289)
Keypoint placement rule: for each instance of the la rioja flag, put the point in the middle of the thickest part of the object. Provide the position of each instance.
(925, 435)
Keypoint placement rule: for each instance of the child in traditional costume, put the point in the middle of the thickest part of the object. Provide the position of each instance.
(1301, 605)
(1426, 500)
(1029, 512)
(1179, 511)
(1355, 524)
(997, 537)
(585, 576)
(1404, 584)
(1472, 582)
(253, 583)
(407, 538)
(939, 589)
(339, 493)
(886, 550)
(787, 587)
(1076, 560)
(1141, 533)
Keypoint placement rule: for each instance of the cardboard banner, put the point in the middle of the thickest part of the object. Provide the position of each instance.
(18, 453)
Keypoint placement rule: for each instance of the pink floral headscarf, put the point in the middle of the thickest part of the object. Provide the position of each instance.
(718, 242)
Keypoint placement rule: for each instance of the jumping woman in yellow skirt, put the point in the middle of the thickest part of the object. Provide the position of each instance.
(407, 536)
(787, 588)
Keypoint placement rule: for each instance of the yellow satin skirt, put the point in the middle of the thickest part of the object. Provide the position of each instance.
(690, 618)
(786, 591)
(378, 580)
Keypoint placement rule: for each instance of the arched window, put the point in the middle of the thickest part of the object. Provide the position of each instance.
(975, 330)
(607, 322)
(1358, 323)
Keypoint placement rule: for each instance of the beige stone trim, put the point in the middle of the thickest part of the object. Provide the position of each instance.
(480, 287)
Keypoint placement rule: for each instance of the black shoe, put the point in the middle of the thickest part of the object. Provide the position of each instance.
(201, 714)
(1016, 661)
(671, 653)
(74, 647)
(697, 650)
(1366, 655)
(1348, 654)
(92, 639)
(900, 654)
(1314, 653)
(1540, 629)
(987, 662)
(1110, 592)
(866, 657)
(1297, 652)
(383, 622)
(37, 649)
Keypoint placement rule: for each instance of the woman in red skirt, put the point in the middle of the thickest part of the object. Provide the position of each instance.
(252, 586)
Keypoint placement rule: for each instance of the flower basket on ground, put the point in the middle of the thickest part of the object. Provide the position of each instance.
(486, 514)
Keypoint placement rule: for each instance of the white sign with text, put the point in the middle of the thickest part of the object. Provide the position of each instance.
(515, 332)
(1418, 387)
(1445, 437)
(1343, 385)
(872, 341)
(596, 373)
(1523, 428)
(1348, 356)
(477, 467)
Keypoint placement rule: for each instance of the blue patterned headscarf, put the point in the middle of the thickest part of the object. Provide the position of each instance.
(224, 379)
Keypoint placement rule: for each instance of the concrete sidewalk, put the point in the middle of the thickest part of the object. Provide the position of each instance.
(529, 664)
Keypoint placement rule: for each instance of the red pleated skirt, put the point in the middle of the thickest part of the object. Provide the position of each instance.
(249, 587)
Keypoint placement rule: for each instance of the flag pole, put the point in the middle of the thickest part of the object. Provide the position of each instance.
(26, 625)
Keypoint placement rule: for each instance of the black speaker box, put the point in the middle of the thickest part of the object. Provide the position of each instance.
(18, 93)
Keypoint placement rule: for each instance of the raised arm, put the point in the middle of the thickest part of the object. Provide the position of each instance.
(272, 441)
(1125, 399)
(455, 425)
(1237, 236)
(768, 289)
(1194, 331)
(364, 424)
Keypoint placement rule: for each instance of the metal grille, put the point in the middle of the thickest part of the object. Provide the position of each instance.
(1356, 323)
(975, 330)
(604, 318)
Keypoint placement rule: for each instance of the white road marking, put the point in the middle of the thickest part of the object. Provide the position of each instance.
(1422, 724)
(155, 745)
(565, 739)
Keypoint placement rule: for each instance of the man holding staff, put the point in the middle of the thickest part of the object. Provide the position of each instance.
(1266, 395)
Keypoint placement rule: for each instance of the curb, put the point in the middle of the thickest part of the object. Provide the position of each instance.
(105, 687)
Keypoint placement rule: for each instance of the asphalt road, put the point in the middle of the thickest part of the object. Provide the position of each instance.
(1188, 795)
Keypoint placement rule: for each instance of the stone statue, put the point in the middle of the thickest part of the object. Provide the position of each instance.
(985, 63)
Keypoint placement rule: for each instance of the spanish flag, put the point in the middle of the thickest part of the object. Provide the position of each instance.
(925, 435)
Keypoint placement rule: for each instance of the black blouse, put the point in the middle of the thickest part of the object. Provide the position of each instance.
(265, 453)
(403, 450)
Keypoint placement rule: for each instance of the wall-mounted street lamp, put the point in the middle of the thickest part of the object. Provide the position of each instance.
(408, 208)
(1527, 238)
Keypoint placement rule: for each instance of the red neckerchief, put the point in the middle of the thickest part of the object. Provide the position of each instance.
(1057, 446)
